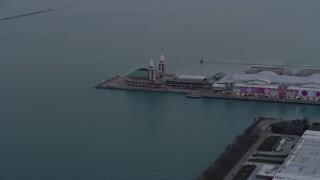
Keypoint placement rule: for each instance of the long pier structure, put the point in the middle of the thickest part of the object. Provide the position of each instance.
(272, 84)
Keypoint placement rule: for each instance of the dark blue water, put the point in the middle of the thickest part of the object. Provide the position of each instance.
(55, 125)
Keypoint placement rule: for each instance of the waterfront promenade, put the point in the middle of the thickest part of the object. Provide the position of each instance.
(264, 126)
(118, 83)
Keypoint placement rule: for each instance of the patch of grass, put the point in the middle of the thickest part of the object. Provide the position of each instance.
(295, 127)
(270, 156)
(268, 143)
(265, 161)
(315, 127)
(244, 172)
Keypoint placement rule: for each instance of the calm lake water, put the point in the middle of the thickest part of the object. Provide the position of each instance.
(55, 125)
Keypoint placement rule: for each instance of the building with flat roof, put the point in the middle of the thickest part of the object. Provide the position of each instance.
(278, 70)
(272, 82)
(303, 163)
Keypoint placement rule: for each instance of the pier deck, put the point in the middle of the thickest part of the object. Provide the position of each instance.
(118, 83)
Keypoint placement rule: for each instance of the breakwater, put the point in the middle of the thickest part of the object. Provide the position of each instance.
(118, 83)
(26, 14)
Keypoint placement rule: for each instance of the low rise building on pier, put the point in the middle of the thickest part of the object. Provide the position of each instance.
(189, 82)
(158, 78)
(148, 77)
(273, 83)
(255, 82)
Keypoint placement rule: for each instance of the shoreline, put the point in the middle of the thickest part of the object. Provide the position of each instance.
(252, 141)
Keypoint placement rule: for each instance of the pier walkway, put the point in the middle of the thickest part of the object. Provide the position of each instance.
(118, 83)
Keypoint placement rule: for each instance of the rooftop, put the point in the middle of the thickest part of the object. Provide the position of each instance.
(269, 77)
(191, 78)
(140, 73)
(303, 162)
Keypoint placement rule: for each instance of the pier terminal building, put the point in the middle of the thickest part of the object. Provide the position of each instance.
(260, 82)
(159, 78)
(269, 82)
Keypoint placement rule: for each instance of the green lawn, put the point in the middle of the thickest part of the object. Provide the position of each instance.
(268, 143)
(244, 172)
(265, 161)
(270, 156)
(315, 127)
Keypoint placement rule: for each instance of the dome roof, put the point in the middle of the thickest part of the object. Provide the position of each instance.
(267, 73)
(311, 83)
(316, 75)
(250, 77)
(260, 78)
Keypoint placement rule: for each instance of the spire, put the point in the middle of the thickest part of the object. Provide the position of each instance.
(162, 58)
(151, 71)
(162, 64)
(151, 64)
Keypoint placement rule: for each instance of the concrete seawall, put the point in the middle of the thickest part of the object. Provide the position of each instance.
(117, 83)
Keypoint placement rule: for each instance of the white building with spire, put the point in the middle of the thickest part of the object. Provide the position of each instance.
(162, 64)
(151, 71)
(159, 78)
